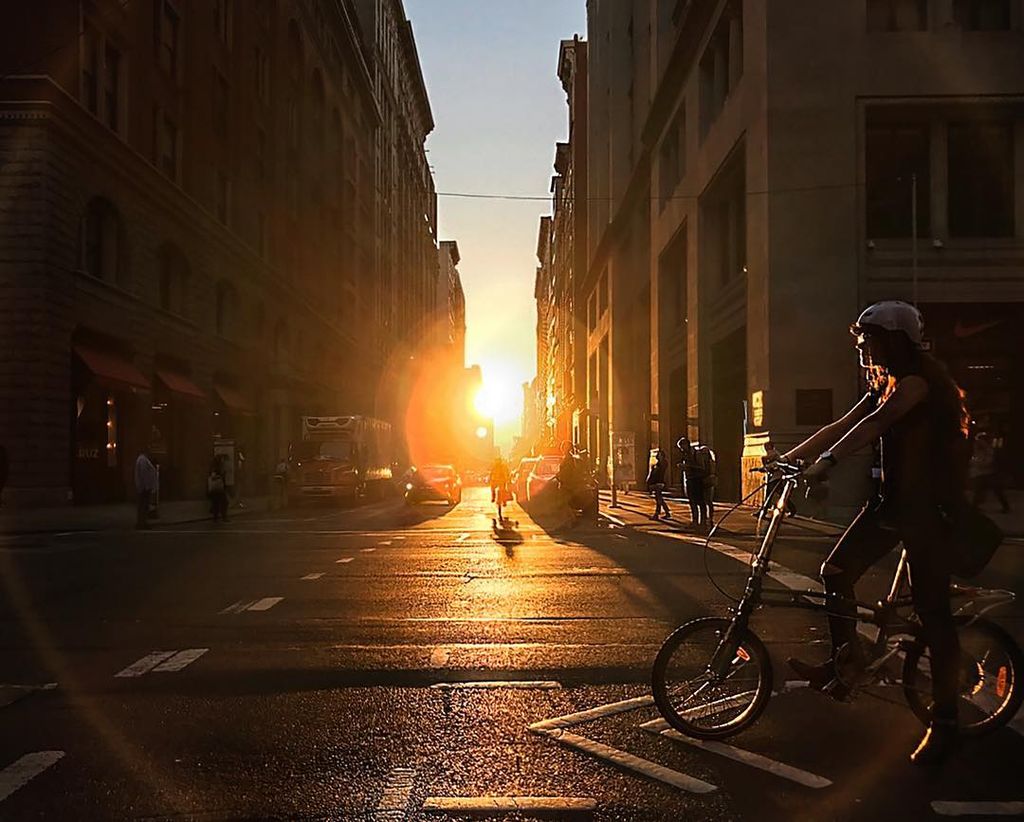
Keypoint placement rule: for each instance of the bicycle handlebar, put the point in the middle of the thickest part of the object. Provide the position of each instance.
(788, 470)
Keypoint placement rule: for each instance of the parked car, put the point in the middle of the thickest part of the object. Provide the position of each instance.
(520, 476)
(541, 473)
(433, 482)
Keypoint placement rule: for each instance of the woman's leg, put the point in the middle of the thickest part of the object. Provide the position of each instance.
(864, 542)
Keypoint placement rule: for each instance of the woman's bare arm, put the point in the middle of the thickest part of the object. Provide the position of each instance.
(909, 392)
(831, 433)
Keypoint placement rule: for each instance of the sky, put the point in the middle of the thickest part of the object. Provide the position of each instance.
(490, 68)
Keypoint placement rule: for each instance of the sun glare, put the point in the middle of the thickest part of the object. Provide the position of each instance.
(499, 399)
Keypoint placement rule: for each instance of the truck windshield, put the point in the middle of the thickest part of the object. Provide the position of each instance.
(328, 450)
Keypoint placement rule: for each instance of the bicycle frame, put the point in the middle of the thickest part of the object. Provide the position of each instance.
(885, 615)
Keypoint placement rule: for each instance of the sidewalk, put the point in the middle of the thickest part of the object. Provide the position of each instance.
(742, 521)
(119, 517)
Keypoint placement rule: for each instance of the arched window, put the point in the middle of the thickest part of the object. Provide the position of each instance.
(174, 276)
(101, 255)
(226, 309)
(318, 107)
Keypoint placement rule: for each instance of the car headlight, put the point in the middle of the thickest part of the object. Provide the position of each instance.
(408, 486)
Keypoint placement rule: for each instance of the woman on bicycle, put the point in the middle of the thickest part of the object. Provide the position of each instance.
(499, 480)
(916, 411)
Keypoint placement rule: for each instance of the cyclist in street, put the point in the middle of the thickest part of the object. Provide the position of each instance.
(916, 409)
(499, 484)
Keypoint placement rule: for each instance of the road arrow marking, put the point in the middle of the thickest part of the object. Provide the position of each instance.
(22, 771)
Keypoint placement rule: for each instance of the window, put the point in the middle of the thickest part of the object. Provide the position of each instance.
(723, 223)
(894, 153)
(223, 197)
(174, 273)
(262, 74)
(166, 147)
(982, 15)
(672, 156)
(168, 25)
(101, 238)
(222, 21)
(220, 103)
(721, 66)
(981, 179)
(90, 71)
(897, 15)
(112, 88)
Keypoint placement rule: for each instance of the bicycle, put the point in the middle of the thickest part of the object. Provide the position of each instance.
(712, 677)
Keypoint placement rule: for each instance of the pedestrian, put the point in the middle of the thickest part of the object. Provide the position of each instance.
(656, 478)
(983, 472)
(147, 483)
(216, 489)
(700, 475)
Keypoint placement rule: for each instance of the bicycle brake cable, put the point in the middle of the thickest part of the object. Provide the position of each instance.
(711, 533)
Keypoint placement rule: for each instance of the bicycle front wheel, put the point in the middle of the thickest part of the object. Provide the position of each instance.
(703, 699)
(990, 671)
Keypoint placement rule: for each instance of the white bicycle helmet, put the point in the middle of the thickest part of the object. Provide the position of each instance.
(892, 315)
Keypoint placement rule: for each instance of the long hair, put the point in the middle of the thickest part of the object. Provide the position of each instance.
(903, 357)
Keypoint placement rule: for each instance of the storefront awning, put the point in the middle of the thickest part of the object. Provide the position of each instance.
(234, 400)
(181, 385)
(111, 369)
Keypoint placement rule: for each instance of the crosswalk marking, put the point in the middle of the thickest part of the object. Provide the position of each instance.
(146, 664)
(22, 771)
(509, 804)
(264, 604)
(394, 804)
(181, 659)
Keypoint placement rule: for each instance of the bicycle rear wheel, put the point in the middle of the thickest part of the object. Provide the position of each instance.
(697, 701)
(991, 667)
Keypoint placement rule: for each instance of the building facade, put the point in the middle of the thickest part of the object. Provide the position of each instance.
(451, 301)
(745, 208)
(190, 237)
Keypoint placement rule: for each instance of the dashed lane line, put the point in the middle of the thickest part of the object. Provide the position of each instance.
(343, 560)
(394, 804)
(509, 804)
(660, 727)
(944, 808)
(264, 604)
(22, 771)
(513, 684)
(462, 537)
(385, 542)
(367, 550)
(312, 576)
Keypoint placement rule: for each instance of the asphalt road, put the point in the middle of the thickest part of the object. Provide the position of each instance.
(312, 665)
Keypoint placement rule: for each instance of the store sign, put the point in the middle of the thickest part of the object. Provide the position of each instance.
(757, 409)
(88, 452)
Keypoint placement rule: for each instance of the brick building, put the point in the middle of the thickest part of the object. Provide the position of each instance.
(189, 236)
(451, 300)
(752, 169)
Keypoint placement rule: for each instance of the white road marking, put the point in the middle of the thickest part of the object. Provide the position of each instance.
(625, 760)
(237, 607)
(439, 657)
(385, 542)
(367, 550)
(22, 771)
(180, 660)
(514, 684)
(264, 604)
(462, 537)
(943, 808)
(146, 664)
(10, 694)
(810, 780)
(591, 714)
(312, 576)
(615, 520)
(394, 804)
(506, 804)
(343, 560)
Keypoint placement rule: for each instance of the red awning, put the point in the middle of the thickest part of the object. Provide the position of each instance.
(234, 400)
(111, 369)
(180, 384)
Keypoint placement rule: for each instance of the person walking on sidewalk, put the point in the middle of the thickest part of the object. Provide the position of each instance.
(656, 478)
(146, 484)
(700, 474)
(217, 490)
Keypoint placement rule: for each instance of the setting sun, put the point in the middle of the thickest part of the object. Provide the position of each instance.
(499, 399)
